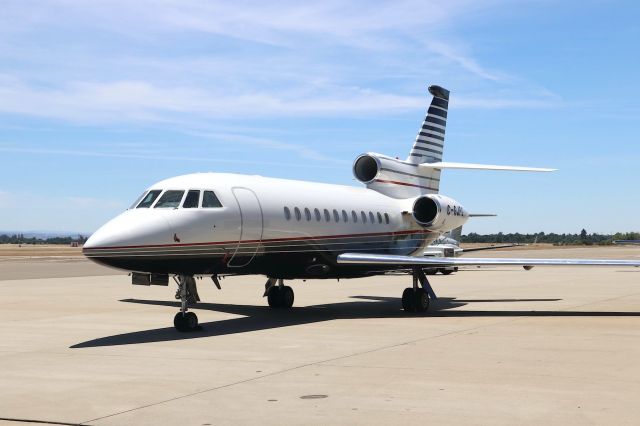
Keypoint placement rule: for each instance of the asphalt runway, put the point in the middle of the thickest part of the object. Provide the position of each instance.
(501, 346)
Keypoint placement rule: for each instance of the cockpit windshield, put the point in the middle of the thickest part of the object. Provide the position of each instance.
(148, 199)
(135, 203)
(191, 200)
(170, 199)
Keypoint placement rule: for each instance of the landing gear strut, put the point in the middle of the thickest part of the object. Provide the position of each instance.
(416, 299)
(188, 295)
(278, 295)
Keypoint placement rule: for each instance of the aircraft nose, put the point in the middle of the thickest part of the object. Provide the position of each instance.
(131, 228)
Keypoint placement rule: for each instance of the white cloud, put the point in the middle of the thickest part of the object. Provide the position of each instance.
(301, 59)
(170, 157)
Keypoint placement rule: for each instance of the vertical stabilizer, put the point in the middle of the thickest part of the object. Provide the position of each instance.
(429, 143)
(410, 178)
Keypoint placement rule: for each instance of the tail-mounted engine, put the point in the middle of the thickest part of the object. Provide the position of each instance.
(395, 178)
(439, 213)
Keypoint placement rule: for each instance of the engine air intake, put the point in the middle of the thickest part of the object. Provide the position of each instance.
(425, 210)
(366, 168)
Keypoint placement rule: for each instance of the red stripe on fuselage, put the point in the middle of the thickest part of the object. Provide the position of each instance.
(270, 240)
(394, 182)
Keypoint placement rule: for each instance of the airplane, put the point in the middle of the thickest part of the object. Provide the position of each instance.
(448, 245)
(627, 242)
(220, 224)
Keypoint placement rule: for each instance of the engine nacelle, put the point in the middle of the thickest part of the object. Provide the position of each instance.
(367, 167)
(394, 178)
(438, 212)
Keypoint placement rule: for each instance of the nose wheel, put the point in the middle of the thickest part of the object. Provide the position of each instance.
(188, 295)
(187, 321)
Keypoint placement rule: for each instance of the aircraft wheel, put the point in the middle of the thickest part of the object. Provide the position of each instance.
(179, 322)
(185, 322)
(286, 297)
(421, 301)
(191, 321)
(408, 300)
(446, 271)
(274, 298)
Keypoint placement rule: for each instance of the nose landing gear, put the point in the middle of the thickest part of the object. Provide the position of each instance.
(188, 295)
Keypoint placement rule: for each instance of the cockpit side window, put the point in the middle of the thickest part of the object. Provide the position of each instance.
(210, 200)
(148, 199)
(191, 200)
(170, 199)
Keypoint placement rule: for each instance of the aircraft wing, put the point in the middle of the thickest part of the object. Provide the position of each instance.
(407, 261)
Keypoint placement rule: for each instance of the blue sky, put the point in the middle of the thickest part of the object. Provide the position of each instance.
(100, 99)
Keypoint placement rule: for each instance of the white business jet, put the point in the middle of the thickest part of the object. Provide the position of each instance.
(218, 224)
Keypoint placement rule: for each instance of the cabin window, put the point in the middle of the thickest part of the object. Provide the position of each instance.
(169, 200)
(379, 218)
(298, 215)
(307, 214)
(364, 217)
(327, 216)
(148, 199)
(336, 216)
(287, 213)
(372, 218)
(209, 200)
(318, 216)
(191, 200)
(386, 218)
(354, 216)
(345, 216)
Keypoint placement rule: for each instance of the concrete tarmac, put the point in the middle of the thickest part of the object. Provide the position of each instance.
(501, 346)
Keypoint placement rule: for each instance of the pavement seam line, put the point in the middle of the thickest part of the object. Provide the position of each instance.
(34, 421)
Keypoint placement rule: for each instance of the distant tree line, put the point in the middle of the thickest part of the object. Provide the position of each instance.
(21, 239)
(583, 238)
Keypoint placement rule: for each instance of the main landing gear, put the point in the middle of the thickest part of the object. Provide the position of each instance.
(278, 295)
(417, 298)
(188, 295)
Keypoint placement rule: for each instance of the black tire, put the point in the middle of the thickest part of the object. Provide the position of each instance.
(408, 300)
(274, 298)
(421, 300)
(286, 297)
(445, 271)
(191, 321)
(179, 322)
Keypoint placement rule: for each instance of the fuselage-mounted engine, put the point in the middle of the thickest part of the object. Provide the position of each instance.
(439, 213)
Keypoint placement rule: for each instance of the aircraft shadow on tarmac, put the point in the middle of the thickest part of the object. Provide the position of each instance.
(255, 318)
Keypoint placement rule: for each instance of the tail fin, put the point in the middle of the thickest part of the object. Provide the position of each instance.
(429, 143)
(410, 178)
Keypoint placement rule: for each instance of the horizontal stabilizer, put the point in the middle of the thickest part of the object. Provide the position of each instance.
(483, 215)
(389, 259)
(470, 166)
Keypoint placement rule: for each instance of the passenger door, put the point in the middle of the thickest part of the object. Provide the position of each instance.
(251, 227)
